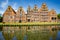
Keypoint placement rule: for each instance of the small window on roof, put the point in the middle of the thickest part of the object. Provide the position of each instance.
(9, 8)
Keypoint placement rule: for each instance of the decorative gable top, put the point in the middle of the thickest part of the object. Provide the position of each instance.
(52, 12)
(35, 9)
(29, 9)
(44, 7)
(20, 9)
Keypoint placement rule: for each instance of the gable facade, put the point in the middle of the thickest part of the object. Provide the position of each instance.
(33, 14)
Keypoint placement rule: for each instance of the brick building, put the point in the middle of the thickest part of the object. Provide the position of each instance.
(9, 15)
(33, 14)
(20, 15)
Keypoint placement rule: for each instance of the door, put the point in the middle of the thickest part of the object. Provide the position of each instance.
(20, 21)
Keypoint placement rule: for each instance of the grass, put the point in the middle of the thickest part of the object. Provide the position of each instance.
(30, 23)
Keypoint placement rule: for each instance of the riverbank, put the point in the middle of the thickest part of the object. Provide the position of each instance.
(30, 24)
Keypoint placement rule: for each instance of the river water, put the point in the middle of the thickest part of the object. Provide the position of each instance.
(30, 33)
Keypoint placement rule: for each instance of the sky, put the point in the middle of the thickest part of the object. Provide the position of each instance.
(15, 4)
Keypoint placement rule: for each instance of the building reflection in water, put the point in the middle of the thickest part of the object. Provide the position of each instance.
(33, 32)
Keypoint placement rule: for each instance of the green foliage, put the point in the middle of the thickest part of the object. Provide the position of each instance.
(30, 24)
(1, 18)
(58, 16)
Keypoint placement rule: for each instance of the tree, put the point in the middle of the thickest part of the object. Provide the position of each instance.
(1, 18)
(58, 16)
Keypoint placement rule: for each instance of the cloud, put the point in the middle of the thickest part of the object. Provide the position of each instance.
(1, 12)
(4, 3)
(14, 6)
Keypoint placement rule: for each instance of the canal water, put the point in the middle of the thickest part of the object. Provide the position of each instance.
(30, 33)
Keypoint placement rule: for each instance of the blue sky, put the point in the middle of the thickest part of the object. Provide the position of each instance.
(52, 4)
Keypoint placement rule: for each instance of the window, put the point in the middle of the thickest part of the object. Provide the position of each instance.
(35, 10)
(16, 20)
(44, 9)
(20, 14)
(28, 16)
(9, 12)
(44, 13)
(11, 16)
(53, 18)
(45, 17)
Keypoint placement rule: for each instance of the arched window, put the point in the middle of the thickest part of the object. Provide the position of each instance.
(53, 18)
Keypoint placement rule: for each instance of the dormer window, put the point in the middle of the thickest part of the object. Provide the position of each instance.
(9, 8)
(20, 10)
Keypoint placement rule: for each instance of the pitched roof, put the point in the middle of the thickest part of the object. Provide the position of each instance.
(9, 9)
